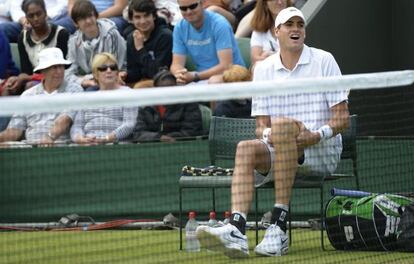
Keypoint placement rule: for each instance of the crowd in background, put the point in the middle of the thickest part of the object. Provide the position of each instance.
(121, 44)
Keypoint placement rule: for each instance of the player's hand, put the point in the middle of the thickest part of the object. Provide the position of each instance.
(306, 137)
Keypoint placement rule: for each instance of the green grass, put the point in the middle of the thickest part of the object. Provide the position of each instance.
(142, 246)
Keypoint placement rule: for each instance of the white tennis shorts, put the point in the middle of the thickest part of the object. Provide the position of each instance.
(321, 158)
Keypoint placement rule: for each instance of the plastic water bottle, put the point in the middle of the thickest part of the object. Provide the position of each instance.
(212, 221)
(192, 244)
(227, 216)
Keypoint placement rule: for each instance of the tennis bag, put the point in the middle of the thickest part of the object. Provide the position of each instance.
(405, 232)
(364, 223)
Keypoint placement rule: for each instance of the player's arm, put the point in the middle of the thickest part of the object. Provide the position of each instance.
(339, 120)
(262, 122)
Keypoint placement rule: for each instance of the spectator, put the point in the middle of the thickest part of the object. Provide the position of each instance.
(44, 128)
(222, 7)
(166, 123)
(235, 108)
(110, 9)
(149, 45)
(110, 124)
(300, 135)
(245, 26)
(56, 11)
(166, 9)
(245, 15)
(207, 38)
(41, 34)
(263, 40)
(93, 36)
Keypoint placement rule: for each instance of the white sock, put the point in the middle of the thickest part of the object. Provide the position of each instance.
(282, 206)
(240, 213)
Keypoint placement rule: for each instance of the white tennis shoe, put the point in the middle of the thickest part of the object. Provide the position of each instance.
(227, 239)
(274, 243)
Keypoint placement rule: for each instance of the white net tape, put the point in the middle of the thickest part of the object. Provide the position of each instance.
(202, 92)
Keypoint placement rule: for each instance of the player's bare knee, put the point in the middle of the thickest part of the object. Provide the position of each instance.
(284, 128)
(247, 147)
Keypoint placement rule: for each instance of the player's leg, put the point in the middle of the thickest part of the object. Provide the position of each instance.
(284, 134)
(231, 238)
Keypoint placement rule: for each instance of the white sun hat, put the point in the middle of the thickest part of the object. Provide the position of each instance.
(49, 57)
(286, 14)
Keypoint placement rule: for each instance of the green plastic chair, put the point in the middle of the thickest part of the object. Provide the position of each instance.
(225, 133)
(244, 47)
(206, 114)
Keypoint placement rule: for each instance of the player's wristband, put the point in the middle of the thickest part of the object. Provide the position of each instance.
(325, 132)
(266, 134)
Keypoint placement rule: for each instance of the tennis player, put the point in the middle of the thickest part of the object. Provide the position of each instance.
(297, 134)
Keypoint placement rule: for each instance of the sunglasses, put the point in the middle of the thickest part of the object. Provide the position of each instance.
(104, 67)
(191, 7)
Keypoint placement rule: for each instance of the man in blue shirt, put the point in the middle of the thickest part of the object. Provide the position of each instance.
(207, 38)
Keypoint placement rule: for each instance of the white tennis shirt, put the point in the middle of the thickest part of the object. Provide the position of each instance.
(313, 109)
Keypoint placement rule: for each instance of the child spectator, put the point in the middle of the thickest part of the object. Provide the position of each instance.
(235, 108)
(166, 123)
(93, 36)
(149, 45)
(110, 9)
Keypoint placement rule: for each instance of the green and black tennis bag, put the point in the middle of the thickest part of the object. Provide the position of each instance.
(364, 223)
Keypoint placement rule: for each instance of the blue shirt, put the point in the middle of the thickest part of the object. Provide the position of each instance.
(102, 5)
(202, 45)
